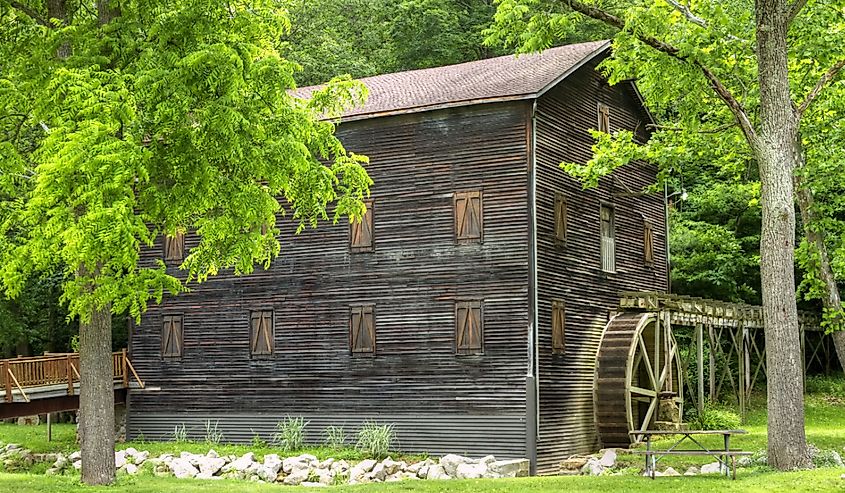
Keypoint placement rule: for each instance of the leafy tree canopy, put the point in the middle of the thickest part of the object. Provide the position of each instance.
(173, 116)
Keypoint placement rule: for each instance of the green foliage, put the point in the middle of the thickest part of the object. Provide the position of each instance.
(334, 436)
(213, 435)
(290, 433)
(177, 116)
(257, 441)
(716, 418)
(180, 433)
(376, 440)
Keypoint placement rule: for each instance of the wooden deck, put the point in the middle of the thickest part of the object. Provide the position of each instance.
(50, 382)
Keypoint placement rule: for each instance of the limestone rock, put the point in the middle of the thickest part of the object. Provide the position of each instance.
(450, 463)
(670, 471)
(574, 463)
(436, 471)
(131, 469)
(515, 468)
(592, 467)
(210, 465)
(471, 471)
(358, 471)
(296, 477)
(712, 468)
(74, 456)
(182, 468)
(300, 462)
(608, 459)
(240, 464)
(692, 471)
(119, 459)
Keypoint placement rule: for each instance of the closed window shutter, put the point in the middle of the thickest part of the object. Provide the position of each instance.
(362, 328)
(604, 118)
(361, 232)
(560, 219)
(608, 240)
(171, 336)
(558, 327)
(174, 247)
(648, 244)
(469, 217)
(261, 332)
(469, 330)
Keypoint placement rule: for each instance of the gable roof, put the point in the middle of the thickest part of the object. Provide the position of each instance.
(504, 78)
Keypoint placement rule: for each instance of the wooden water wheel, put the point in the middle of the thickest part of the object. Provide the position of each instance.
(638, 382)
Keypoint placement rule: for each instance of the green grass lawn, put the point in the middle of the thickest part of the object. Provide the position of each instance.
(825, 426)
(817, 480)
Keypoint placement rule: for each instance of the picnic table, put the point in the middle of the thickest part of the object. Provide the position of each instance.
(721, 455)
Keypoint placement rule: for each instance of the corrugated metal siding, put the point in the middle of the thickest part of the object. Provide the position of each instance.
(574, 273)
(425, 432)
(413, 277)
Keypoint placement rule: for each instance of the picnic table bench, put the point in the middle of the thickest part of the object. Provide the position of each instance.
(721, 455)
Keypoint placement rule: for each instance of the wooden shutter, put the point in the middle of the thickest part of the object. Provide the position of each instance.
(362, 329)
(361, 232)
(608, 240)
(648, 244)
(560, 219)
(262, 333)
(469, 217)
(469, 328)
(558, 327)
(174, 247)
(604, 118)
(171, 336)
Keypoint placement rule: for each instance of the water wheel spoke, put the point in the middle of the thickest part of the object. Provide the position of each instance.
(642, 391)
(644, 355)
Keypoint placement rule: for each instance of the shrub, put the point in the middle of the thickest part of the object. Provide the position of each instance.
(825, 458)
(180, 434)
(715, 418)
(825, 386)
(212, 433)
(375, 439)
(334, 436)
(290, 433)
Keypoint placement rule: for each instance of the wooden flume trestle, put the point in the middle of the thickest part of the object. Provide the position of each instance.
(639, 363)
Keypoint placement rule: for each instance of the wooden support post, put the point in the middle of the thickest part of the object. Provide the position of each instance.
(49, 427)
(740, 376)
(699, 335)
(124, 369)
(712, 363)
(7, 372)
(746, 367)
(803, 359)
(658, 370)
(69, 375)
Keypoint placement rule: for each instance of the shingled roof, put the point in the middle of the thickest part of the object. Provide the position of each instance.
(494, 79)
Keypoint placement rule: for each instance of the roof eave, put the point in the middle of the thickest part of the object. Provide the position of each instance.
(598, 51)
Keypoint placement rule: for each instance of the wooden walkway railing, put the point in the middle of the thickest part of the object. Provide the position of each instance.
(24, 374)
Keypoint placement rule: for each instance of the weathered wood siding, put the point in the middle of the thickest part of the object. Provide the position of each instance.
(573, 273)
(440, 402)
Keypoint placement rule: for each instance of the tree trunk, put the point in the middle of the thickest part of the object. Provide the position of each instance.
(96, 398)
(832, 301)
(778, 152)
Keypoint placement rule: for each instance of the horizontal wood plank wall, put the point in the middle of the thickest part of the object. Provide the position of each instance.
(573, 273)
(440, 401)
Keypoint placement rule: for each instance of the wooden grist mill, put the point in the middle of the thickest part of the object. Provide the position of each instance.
(639, 378)
(641, 367)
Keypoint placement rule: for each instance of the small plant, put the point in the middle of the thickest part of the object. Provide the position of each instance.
(257, 441)
(825, 458)
(212, 432)
(290, 433)
(714, 418)
(141, 438)
(376, 440)
(334, 437)
(180, 434)
(74, 343)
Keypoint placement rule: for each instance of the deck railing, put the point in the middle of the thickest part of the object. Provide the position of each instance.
(56, 369)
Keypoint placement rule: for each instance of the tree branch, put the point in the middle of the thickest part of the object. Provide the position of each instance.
(31, 13)
(714, 130)
(797, 5)
(723, 92)
(825, 80)
(698, 21)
